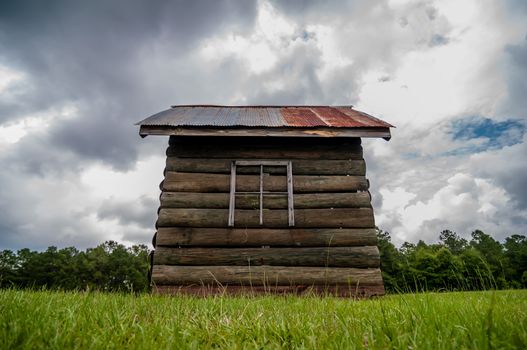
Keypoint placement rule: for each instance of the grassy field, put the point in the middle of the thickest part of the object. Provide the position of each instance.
(478, 320)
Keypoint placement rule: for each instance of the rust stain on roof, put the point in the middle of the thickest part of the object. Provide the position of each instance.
(334, 116)
(299, 116)
(264, 116)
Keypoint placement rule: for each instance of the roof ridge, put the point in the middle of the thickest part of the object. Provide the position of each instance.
(264, 106)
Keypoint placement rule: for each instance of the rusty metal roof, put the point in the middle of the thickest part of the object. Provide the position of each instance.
(264, 116)
(276, 121)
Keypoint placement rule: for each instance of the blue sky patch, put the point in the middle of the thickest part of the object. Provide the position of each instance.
(483, 133)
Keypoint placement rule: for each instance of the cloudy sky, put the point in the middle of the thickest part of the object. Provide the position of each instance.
(76, 75)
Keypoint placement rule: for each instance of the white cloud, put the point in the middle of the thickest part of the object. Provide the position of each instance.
(416, 64)
(259, 49)
(64, 210)
(12, 132)
(436, 83)
(9, 77)
(103, 182)
(464, 204)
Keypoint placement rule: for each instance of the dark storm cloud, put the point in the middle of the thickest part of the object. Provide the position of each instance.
(517, 6)
(111, 63)
(325, 10)
(507, 169)
(137, 212)
(510, 166)
(303, 85)
(303, 7)
(516, 71)
(89, 54)
(116, 62)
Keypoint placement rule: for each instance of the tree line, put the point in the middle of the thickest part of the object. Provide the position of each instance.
(454, 263)
(107, 267)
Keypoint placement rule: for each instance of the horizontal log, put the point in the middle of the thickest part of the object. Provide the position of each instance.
(202, 182)
(340, 217)
(345, 291)
(261, 148)
(252, 201)
(360, 257)
(257, 237)
(299, 167)
(265, 275)
(259, 142)
(265, 131)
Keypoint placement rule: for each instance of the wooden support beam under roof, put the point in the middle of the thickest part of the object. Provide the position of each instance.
(376, 132)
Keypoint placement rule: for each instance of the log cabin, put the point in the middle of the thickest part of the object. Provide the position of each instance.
(265, 199)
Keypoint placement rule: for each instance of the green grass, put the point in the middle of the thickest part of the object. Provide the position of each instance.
(477, 320)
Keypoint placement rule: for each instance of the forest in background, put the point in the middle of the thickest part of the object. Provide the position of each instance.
(454, 263)
(108, 267)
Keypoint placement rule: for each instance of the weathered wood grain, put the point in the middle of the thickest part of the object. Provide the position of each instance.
(237, 131)
(265, 275)
(203, 182)
(257, 237)
(263, 142)
(300, 166)
(359, 257)
(339, 217)
(251, 201)
(264, 148)
(345, 291)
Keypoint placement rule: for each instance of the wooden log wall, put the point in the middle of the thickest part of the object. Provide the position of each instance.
(331, 249)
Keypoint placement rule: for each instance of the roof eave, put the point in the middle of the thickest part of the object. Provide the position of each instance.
(370, 132)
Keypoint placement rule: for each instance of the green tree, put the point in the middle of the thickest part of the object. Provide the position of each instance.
(477, 274)
(113, 267)
(453, 242)
(516, 254)
(8, 267)
(493, 253)
(390, 264)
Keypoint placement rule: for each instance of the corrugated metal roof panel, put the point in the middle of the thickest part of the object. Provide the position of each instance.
(334, 117)
(300, 116)
(364, 118)
(264, 116)
(275, 117)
